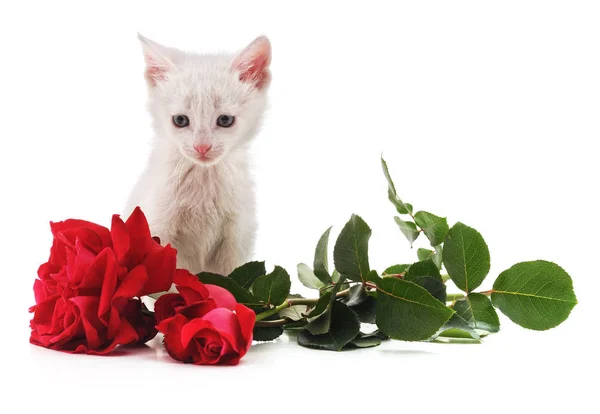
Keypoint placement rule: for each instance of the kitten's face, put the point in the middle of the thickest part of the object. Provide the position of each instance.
(207, 105)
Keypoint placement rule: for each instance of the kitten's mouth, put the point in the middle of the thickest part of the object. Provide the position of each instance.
(207, 159)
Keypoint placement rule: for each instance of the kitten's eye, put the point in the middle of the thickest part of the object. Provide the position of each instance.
(181, 121)
(225, 121)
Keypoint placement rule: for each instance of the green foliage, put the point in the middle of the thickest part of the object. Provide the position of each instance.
(457, 327)
(273, 288)
(396, 269)
(246, 274)
(408, 228)
(321, 263)
(424, 268)
(406, 311)
(536, 295)
(466, 257)
(351, 251)
(478, 311)
(401, 207)
(308, 278)
(408, 302)
(343, 329)
(241, 295)
(435, 228)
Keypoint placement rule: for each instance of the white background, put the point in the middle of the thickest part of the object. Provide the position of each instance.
(487, 112)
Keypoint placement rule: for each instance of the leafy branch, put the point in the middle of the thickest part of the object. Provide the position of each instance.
(407, 302)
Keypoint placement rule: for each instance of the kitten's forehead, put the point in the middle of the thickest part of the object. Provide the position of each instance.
(204, 82)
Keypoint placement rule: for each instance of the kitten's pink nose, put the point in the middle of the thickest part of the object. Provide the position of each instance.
(202, 149)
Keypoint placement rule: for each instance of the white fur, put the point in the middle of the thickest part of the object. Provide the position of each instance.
(204, 208)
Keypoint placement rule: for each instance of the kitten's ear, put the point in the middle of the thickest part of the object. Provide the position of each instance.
(252, 64)
(159, 60)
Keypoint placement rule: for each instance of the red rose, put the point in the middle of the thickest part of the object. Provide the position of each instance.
(203, 324)
(221, 336)
(85, 294)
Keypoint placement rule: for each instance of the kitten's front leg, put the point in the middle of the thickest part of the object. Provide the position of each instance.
(235, 247)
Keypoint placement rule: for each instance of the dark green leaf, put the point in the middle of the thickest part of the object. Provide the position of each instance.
(241, 295)
(457, 327)
(321, 306)
(408, 228)
(322, 323)
(396, 269)
(247, 273)
(273, 288)
(351, 251)
(361, 303)
(424, 268)
(344, 328)
(406, 311)
(434, 227)
(478, 311)
(536, 295)
(321, 265)
(433, 286)
(308, 278)
(266, 334)
(402, 208)
(466, 257)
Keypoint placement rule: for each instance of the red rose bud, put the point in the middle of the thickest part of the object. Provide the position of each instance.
(221, 336)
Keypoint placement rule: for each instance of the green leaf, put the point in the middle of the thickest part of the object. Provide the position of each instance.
(408, 228)
(262, 334)
(432, 285)
(335, 276)
(361, 303)
(401, 207)
(241, 295)
(536, 295)
(457, 327)
(396, 269)
(424, 268)
(437, 257)
(308, 278)
(247, 273)
(322, 323)
(273, 288)
(466, 257)
(344, 328)
(406, 311)
(434, 227)
(424, 254)
(478, 311)
(351, 251)
(294, 313)
(321, 306)
(321, 264)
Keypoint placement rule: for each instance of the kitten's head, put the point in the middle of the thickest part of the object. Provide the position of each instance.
(207, 105)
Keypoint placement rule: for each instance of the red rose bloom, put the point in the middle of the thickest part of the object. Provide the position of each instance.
(86, 292)
(203, 324)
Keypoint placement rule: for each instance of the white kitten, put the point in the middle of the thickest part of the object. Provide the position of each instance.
(196, 190)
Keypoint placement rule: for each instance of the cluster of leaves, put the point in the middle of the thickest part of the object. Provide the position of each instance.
(407, 301)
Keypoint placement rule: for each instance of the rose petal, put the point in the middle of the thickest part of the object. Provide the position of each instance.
(226, 322)
(167, 306)
(160, 265)
(120, 238)
(222, 297)
(247, 319)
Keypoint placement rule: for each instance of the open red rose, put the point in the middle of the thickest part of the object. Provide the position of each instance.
(85, 294)
(203, 324)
